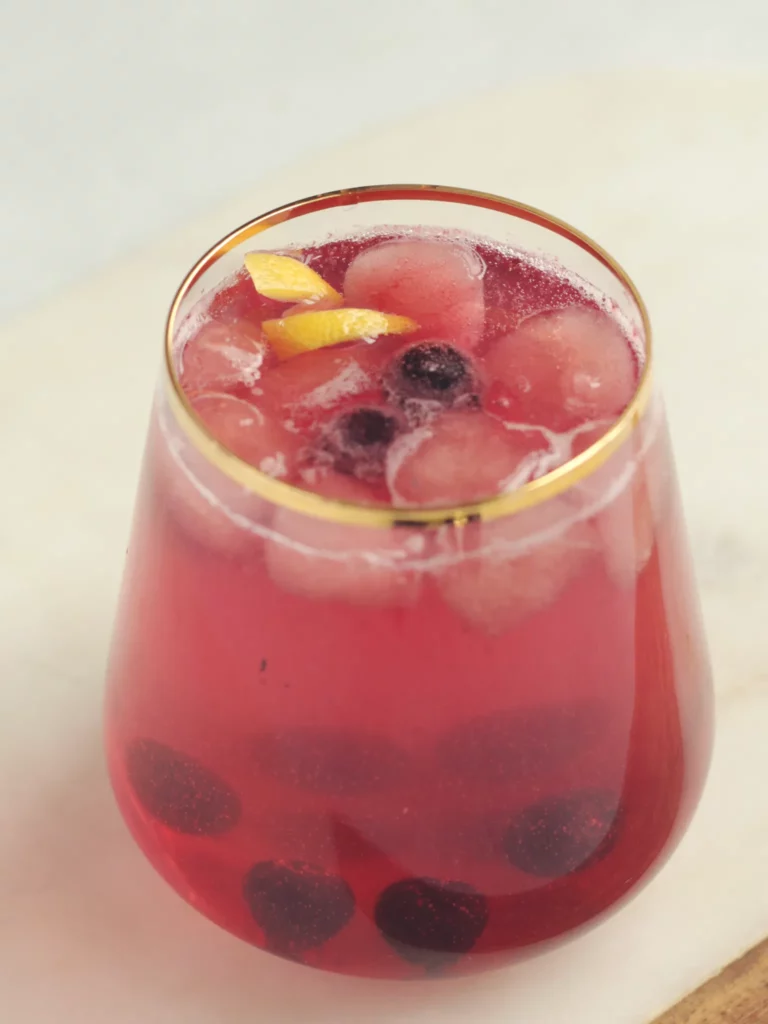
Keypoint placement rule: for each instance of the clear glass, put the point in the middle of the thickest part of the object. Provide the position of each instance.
(395, 744)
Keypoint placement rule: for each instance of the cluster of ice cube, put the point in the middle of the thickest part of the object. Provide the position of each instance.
(449, 416)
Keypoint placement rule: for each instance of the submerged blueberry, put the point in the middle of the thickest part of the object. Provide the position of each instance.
(298, 906)
(562, 834)
(429, 922)
(431, 371)
(358, 441)
(365, 428)
(179, 791)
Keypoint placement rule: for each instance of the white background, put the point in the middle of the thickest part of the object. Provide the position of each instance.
(121, 120)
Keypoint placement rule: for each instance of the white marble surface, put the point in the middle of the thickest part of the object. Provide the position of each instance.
(668, 172)
(122, 121)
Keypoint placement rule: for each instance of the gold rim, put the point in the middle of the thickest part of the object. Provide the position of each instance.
(298, 500)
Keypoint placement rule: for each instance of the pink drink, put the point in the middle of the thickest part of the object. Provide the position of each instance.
(395, 751)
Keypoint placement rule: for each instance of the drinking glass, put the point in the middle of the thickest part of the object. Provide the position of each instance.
(407, 742)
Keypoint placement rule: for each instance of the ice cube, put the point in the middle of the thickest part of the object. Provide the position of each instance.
(561, 369)
(518, 566)
(263, 441)
(459, 458)
(324, 560)
(628, 493)
(208, 506)
(437, 282)
(223, 357)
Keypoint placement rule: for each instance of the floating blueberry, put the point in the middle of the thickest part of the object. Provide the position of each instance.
(180, 792)
(507, 746)
(298, 906)
(431, 371)
(562, 834)
(358, 441)
(330, 761)
(431, 923)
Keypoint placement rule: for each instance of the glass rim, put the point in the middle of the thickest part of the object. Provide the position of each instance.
(296, 499)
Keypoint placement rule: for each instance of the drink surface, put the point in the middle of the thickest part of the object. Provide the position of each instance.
(403, 752)
(470, 370)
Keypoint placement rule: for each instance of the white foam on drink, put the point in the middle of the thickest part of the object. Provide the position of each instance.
(248, 365)
(531, 468)
(274, 465)
(538, 464)
(350, 381)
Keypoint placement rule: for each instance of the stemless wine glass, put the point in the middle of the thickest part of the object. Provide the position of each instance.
(399, 743)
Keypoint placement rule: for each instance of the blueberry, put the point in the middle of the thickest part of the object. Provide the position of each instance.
(328, 761)
(562, 834)
(368, 427)
(508, 746)
(431, 371)
(180, 792)
(297, 906)
(431, 923)
(358, 441)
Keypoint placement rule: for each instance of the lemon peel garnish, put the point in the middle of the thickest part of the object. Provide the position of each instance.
(303, 332)
(287, 279)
